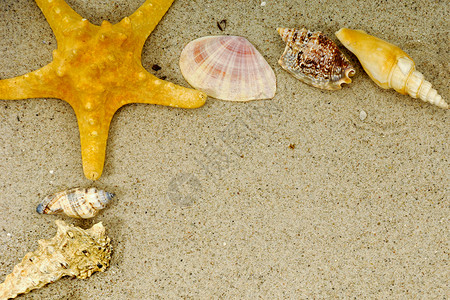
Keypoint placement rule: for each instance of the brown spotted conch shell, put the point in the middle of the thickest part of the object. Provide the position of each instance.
(314, 59)
(72, 252)
(389, 66)
(227, 68)
(75, 203)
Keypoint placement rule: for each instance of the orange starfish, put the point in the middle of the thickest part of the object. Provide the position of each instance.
(97, 69)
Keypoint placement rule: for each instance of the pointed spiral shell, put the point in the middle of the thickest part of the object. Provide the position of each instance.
(75, 203)
(389, 66)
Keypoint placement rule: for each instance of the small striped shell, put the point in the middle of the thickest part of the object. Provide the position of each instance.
(227, 68)
(75, 203)
(314, 59)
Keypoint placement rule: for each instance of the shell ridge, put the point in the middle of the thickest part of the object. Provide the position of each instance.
(256, 88)
(259, 66)
(234, 71)
(249, 68)
(206, 68)
(259, 89)
(208, 63)
(217, 67)
(226, 85)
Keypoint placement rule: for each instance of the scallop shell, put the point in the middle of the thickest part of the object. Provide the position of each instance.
(71, 252)
(227, 68)
(314, 59)
(75, 203)
(389, 66)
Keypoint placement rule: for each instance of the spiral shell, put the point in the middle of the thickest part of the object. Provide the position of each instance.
(314, 59)
(227, 68)
(71, 252)
(389, 66)
(75, 203)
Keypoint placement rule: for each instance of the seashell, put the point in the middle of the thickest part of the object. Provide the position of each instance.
(71, 252)
(314, 59)
(75, 203)
(389, 66)
(227, 68)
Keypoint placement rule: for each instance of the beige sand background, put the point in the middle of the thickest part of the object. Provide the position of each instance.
(294, 197)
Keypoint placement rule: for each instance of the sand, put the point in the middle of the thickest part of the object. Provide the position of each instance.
(312, 195)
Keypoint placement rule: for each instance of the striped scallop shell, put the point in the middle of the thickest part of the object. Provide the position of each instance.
(227, 68)
(75, 203)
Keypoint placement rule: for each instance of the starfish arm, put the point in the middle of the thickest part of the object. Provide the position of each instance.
(59, 15)
(145, 19)
(157, 91)
(37, 84)
(94, 127)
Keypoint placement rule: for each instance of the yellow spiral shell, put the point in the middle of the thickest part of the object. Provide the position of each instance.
(389, 66)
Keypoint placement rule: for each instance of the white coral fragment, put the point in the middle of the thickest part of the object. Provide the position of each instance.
(72, 252)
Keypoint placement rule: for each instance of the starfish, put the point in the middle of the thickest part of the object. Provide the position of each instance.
(97, 70)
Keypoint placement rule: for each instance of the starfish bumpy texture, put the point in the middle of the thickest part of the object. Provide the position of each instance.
(97, 69)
